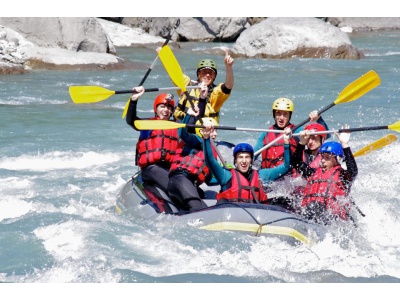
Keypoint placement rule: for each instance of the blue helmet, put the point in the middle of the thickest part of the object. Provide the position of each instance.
(332, 147)
(243, 147)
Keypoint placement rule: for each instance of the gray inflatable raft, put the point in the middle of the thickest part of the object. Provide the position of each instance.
(135, 199)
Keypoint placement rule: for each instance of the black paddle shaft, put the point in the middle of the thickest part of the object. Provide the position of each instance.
(155, 60)
(135, 92)
(319, 113)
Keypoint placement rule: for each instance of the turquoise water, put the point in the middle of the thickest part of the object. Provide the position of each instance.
(63, 164)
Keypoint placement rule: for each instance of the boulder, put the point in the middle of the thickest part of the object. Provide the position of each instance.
(62, 59)
(365, 24)
(74, 34)
(295, 37)
(74, 44)
(125, 36)
(216, 29)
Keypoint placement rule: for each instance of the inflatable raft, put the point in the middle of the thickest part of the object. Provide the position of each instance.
(137, 199)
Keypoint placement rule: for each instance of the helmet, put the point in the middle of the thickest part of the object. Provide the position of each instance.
(167, 99)
(207, 64)
(316, 127)
(283, 104)
(243, 147)
(332, 147)
(205, 120)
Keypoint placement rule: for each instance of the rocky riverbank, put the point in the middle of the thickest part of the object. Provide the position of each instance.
(89, 43)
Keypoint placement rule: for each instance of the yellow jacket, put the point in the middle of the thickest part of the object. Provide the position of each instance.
(215, 100)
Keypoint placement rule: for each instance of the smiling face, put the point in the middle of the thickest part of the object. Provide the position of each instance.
(206, 75)
(328, 161)
(282, 118)
(164, 111)
(243, 161)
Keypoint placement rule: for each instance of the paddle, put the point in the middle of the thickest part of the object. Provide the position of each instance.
(164, 125)
(92, 94)
(378, 144)
(152, 65)
(172, 67)
(394, 126)
(353, 91)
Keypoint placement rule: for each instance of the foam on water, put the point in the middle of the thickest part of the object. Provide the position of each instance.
(57, 160)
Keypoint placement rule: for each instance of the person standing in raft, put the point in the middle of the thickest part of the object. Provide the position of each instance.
(189, 170)
(209, 105)
(155, 149)
(326, 195)
(282, 109)
(243, 183)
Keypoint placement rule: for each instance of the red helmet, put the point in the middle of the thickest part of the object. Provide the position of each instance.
(316, 127)
(167, 99)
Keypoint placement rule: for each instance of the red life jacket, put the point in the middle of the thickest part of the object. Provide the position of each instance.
(194, 164)
(313, 164)
(325, 188)
(159, 147)
(273, 156)
(241, 190)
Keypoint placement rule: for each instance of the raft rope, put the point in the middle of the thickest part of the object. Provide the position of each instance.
(260, 225)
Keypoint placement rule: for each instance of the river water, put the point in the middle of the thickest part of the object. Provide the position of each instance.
(63, 164)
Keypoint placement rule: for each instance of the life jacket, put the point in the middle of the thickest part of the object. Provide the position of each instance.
(214, 100)
(184, 104)
(325, 188)
(311, 163)
(193, 164)
(159, 147)
(274, 155)
(241, 190)
(316, 162)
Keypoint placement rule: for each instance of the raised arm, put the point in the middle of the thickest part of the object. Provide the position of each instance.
(221, 174)
(228, 61)
(352, 169)
(131, 114)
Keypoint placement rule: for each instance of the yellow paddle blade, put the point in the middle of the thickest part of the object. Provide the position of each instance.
(395, 126)
(172, 67)
(386, 140)
(157, 125)
(125, 109)
(89, 94)
(359, 87)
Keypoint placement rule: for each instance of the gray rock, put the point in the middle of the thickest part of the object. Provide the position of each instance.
(366, 24)
(217, 29)
(125, 36)
(74, 43)
(10, 68)
(211, 29)
(295, 37)
(153, 26)
(75, 34)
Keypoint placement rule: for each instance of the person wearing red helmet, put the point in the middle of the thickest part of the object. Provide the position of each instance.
(310, 150)
(155, 149)
(326, 194)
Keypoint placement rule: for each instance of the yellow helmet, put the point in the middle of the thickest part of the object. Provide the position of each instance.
(284, 104)
(205, 120)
